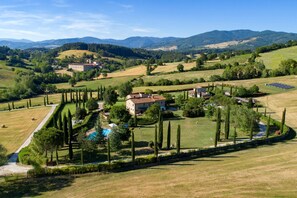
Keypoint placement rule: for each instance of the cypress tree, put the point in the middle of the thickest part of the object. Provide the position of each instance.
(79, 96)
(76, 96)
(160, 135)
(251, 129)
(257, 108)
(265, 112)
(65, 129)
(101, 92)
(184, 95)
(216, 139)
(8, 106)
(268, 127)
(55, 121)
(98, 94)
(60, 123)
(156, 142)
(82, 155)
(234, 136)
(178, 139)
(222, 87)
(66, 97)
(135, 120)
(218, 126)
(231, 91)
(70, 150)
(91, 93)
(168, 135)
(108, 151)
(47, 101)
(27, 105)
(195, 93)
(227, 122)
(71, 96)
(44, 102)
(132, 147)
(86, 94)
(283, 121)
(70, 132)
(30, 104)
(12, 104)
(62, 98)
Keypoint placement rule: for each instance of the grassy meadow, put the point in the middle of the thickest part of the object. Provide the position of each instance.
(76, 53)
(36, 101)
(273, 59)
(19, 126)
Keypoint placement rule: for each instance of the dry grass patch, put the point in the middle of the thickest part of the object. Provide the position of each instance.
(131, 71)
(76, 53)
(19, 126)
(170, 67)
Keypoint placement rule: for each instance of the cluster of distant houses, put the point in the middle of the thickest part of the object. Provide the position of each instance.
(82, 67)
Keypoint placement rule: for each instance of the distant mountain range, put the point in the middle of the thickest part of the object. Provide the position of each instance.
(235, 39)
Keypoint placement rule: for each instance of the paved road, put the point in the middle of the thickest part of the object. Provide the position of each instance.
(12, 166)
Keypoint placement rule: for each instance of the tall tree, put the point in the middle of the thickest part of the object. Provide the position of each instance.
(47, 100)
(178, 139)
(168, 135)
(70, 132)
(125, 89)
(234, 136)
(160, 135)
(12, 105)
(218, 126)
(30, 103)
(44, 101)
(135, 120)
(65, 129)
(99, 130)
(108, 151)
(132, 147)
(60, 124)
(251, 129)
(268, 127)
(156, 142)
(227, 122)
(283, 121)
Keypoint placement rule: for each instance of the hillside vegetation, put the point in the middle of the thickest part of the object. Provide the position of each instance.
(273, 59)
(75, 53)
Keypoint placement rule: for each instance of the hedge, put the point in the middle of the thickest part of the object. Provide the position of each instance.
(49, 122)
(85, 123)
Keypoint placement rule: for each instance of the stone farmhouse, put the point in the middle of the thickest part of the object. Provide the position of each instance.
(138, 103)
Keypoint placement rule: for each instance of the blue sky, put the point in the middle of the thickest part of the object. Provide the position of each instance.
(52, 19)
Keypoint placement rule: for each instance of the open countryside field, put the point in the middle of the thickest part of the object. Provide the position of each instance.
(268, 171)
(131, 71)
(241, 59)
(7, 75)
(94, 84)
(19, 125)
(273, 59)
(171, 67)
(36, 101)
(290, 80)
(76, 53)
(184, 75)
(276, 104)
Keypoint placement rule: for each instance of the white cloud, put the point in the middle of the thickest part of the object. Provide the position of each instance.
(143, 30)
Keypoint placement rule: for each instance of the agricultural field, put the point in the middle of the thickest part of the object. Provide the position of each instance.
(76, 53)
(7, 75)
(241, 59)
(171, 67)
(184, 75)
(131, 71)
(95, 83)
(273, 59)
(19, 126)
(36, 101)
(267, 171)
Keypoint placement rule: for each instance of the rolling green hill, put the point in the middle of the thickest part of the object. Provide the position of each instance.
(272, 59)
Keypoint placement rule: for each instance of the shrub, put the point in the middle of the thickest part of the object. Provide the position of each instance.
(92, 104)
(167, 114)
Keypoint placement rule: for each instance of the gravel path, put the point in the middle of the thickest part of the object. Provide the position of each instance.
(12, 167)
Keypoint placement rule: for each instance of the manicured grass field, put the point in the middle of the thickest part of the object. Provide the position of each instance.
(53, 98)
(94, 84)
(273, 59)
(19, 126)
(195, 132)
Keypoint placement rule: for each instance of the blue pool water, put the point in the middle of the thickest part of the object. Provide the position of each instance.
(93, 135)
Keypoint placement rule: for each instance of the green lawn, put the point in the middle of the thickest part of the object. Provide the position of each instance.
(273, 59)
(70, 107)
(184, 75)
(94, 84)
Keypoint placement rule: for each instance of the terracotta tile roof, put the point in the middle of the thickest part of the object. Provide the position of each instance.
(150, 99)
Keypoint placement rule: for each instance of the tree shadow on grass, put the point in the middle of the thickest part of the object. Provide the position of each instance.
(34, 186)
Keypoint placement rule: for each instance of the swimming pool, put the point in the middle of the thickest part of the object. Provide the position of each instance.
(93, 135)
